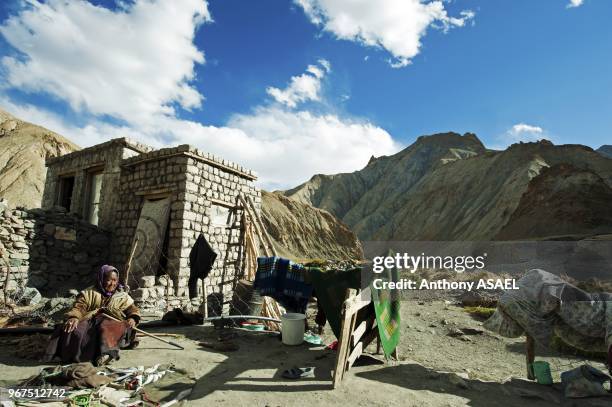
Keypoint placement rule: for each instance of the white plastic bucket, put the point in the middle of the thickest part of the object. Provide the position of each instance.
(293, 328)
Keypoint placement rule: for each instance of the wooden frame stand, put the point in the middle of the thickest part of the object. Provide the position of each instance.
(357, 330)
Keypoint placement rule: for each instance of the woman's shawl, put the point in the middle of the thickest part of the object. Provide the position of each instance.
(90, 300)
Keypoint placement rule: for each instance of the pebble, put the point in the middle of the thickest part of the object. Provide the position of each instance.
(458, 381)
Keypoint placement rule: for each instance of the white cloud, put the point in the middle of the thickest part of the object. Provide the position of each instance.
(285, 148)
(575, 3)
(136, 63)
(296, 145)
(524, 132)
(395, 25)
(302, 88)
(131, 64)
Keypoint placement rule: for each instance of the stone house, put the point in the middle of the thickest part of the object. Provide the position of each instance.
(154, 204)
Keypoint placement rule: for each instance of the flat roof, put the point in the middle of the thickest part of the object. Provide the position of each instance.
(123, 141)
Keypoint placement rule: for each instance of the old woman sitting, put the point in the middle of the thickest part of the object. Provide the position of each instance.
(89, 335)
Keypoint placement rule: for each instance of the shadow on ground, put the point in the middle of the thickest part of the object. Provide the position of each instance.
(516, 392)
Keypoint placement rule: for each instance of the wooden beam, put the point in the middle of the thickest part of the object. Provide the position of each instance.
(364, 328)
(258, 219)
(530, 357)
(222, 203)
(358, 351)
(347, 326)
(369, 337)
(355, 303)
(157, 191)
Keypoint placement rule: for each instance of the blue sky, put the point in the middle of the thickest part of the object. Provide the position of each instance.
(294, 88)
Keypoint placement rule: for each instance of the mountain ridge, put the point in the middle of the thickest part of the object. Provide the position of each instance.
(455, 191)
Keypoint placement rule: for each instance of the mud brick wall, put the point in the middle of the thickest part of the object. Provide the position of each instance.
(50, 250)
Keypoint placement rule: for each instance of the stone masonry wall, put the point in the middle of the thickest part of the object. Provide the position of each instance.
(158, 172)
(106, 156)
(50, 250)
(198, 185)
(210, 188)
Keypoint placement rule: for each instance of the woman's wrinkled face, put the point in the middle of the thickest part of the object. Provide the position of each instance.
(110, 282)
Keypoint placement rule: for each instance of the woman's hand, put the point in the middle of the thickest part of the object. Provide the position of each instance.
(131, 322)
(71, 324)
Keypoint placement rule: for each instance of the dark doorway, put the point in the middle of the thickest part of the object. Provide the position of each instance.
(66, 186)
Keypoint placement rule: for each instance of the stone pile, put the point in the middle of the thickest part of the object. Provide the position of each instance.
(16, 234)
(160, 293)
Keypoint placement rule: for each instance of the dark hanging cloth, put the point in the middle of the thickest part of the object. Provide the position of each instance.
(201, 259)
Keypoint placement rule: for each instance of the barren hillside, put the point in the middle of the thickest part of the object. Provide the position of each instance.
(24, 147)
(562, 201)
(301, 231)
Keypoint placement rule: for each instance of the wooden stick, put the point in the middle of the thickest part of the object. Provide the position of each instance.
(129, 262)
(205, 293)
(530, 356)
(347, 326)
(6, 281)
(164, 334)
(261, 224)
(146, 333)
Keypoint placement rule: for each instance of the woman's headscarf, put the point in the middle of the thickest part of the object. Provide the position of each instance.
(104, 270)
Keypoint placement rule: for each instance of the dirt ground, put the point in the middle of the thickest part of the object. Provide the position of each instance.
(480, 369)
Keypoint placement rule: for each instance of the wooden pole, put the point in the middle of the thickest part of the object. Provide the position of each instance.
(129, 262)
(205, 293)
(6, 280)
(530, 356)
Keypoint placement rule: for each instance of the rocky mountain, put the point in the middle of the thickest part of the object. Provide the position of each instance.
(605, 150)
(446, 187)
(564, 202)
(24, 147)
(300, 231)
(366, 199)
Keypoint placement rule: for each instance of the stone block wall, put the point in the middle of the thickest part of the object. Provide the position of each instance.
(158, 173)
(211, 198)
(203, 191)
(200, 186)
(106, 157)
(50, 250)
(16, 235)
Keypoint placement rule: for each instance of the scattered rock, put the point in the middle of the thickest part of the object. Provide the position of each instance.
(458, 381)
(454, 333)
(147, 281)
(472, 331)
(140, 294)
(478, 299)
(30, 296)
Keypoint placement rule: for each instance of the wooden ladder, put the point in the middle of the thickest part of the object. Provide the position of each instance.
(252, 226)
